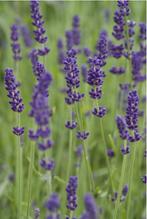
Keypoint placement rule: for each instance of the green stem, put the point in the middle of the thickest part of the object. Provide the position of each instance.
(130, 180)
(107, 160)
(120, 185)
(29, 186)
(71, 215)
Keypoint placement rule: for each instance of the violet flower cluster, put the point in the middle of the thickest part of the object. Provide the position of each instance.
(16, 102)
(71, 193)
(53, 204)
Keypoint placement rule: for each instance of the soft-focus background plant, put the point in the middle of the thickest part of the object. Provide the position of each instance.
(94, 16)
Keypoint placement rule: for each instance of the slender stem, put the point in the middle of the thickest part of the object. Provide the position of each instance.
(132, 162)
(29, 186)
(120, 186)
(71, 215)
(70, 149)
(107, 160)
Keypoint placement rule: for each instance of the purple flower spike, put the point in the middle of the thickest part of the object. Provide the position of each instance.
(53, 204)
(61, 54)
(124, 193)
(37, 22)
(125, 149)
(110, 153)
(122, 127)
(11, 86)
(71, 125)
(87, 52)
(33, 136)
(117, 70)
(91, 209)
(71, 193)
(79, 151)
(18, 131)
(142, 31)
(46, 145)
(82, 135)
(47, 164)
(75, 30)
(69, 40)
(15, 44)
(116, 50)
(99, 112)
(36, 213)
(26, 36)
(102, 45)
(114, 197)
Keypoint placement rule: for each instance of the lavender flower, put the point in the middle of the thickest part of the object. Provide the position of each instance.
(79, 150)
(116, 50)
(26, 36)
(99, 112)
(110, 152)
(36, 213)
(124, 192)
(91, 208)
(84, 72)
(47, 164)
(132, 115)
(144, 179)
(117, 70)
(72, 77)
(69, 40)
(71, 125)
(114, 197)
(18, 131)
(86, 51)
(60, 51)
(11, 86)
(122, 127)
(53, 204)
(37, 22)
(102, 45)
(15, 42)
(71, 193)
(125, 149)
(82, 135)
(142, 27)
(75, 30)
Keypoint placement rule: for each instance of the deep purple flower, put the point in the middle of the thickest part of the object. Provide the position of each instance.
(33, 55)
(26, 36)
(53, 204)
(82, 135)
(61, 54)
(15, 42)
(37, 22)
(44, 51)
(131, 25)
(18, 131)
(91, 209)
(110, 152)
(100, 111)
(79, 151)
(117, 70)
(142, 31)
(144, 179)
(45, 145)
(11, 86)
(47, 164)
(124, 192)
(102, 44)
(72, 77)
(95, 77)
(75, 30)
(116, 50)
(125, 149)
(71, 124)
(86, 51)
(33, 135)
(71, 193)
(122, 127)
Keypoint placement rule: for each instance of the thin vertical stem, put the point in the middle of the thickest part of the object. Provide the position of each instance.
(29, 186)
(120, 185)
(132, 162)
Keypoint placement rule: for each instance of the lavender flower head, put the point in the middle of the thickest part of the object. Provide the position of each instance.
(53, 204)
(71, 193)
(122, 127)
(124, 192)
(100, 111)
(26, 36)
(15, 42)
(11, 86)
(37, 22)
(75, 30)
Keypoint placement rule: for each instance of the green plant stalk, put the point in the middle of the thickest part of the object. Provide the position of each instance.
(107, 160)
(117, 205)
(71, 215)
(70, 150)
(85, 154)
(30, 176)
(132, 162)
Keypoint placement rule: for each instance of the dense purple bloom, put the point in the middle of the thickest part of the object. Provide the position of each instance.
(71, 124)
(91, 209)
(100, 111)
(117, 70)
(131, 25)
(53, 204)
(45, 145)
(15, 42)
(71, 193)
(125, 149)
(33, 55)
(110, 152)
(142, 31)
(75, 30)
(47, 164)
(18, 130)
(122, 127)
(82, 135)
(11, 86)
(37, 22)
(44, 51)
(95, 77)
(26, 36)
(72, 77)
(116, 50)
(102, 45)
